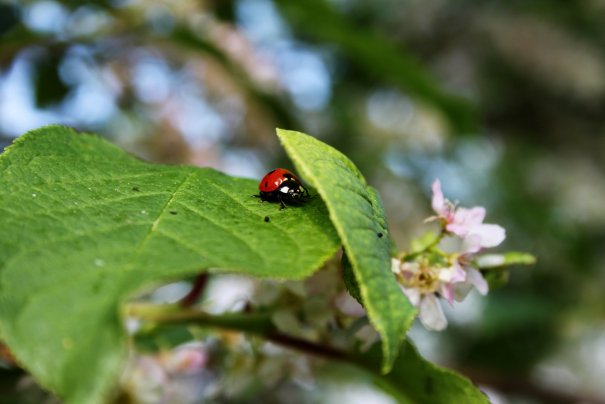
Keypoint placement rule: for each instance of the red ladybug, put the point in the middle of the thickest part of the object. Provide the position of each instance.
(280, 185)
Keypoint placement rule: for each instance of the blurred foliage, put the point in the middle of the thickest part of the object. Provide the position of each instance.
(504, 101)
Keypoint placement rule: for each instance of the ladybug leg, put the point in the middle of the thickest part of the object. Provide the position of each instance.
(281, 202)
(306, 194)
(261, 196)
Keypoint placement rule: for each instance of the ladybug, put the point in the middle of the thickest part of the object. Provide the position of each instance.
(280, 185)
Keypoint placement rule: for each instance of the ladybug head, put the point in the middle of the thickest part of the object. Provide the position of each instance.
(292, 190)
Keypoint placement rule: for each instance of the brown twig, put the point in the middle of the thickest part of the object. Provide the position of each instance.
(307, 346)
(196, 291)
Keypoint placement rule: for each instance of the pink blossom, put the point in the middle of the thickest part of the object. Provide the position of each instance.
(178, 375)
(475, 278)
(466, 219)
(470, 246)
(464, 222)
(449, 277)
(186, 359)
(434, 274)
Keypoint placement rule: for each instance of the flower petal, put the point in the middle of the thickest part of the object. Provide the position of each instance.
(447, 291)
(475, 215)
(452, 274)
(491, 234)
(477, 280)
(471, 244)
(412, 294)
(348, 305)
(461, 290)
(438, 201)
(431, 313)
(186, 359)
(465, 220)
(395, 265)
(459, 275)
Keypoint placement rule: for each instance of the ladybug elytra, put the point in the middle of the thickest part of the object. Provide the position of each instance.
(280, 185)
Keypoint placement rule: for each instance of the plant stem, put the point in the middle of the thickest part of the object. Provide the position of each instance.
(309, 347)
(258, 324)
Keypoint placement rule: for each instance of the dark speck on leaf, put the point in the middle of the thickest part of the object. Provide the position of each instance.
(136, 189)
(379, 234)
(173, 212)
(267, 219)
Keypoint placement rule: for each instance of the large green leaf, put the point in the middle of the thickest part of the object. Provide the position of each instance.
(85, 225)
(358, 215)
(415, 380)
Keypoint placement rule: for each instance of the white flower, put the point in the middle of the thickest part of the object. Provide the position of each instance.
(422, 283)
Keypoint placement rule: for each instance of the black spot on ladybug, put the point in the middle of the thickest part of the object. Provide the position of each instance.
(136, 189)
(379, 234)
(266, 183)
(173, 212)
(267, 219)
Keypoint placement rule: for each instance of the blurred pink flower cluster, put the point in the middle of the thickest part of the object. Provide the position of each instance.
(178, 375)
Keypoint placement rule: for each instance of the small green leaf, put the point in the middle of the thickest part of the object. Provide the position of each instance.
(358, 216)
(489, 261)
(421, 243)
(415, 380)
(85, 225)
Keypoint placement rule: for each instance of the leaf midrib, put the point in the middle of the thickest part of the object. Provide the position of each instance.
(143, 243)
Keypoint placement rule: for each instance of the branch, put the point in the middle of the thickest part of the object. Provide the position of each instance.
(250, 323)
(260, 324)
(507, 385)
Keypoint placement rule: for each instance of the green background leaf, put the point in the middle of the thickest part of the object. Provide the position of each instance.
(85, 225)
(379, 56)
(358, 215)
